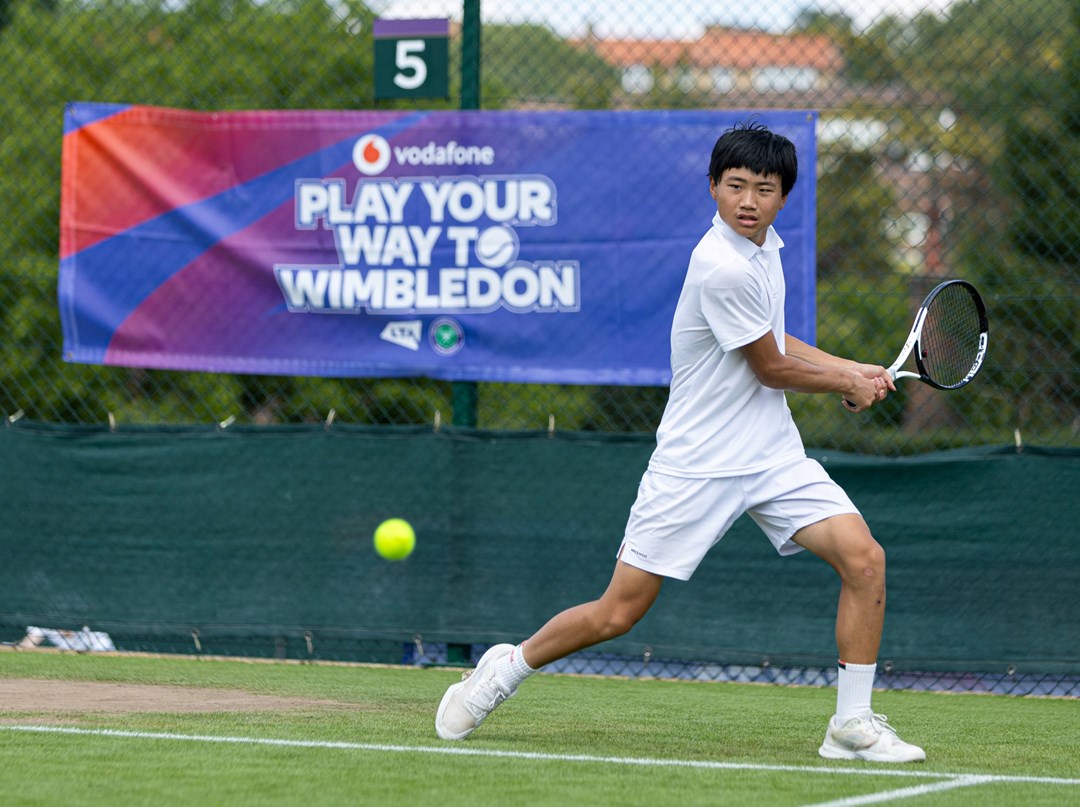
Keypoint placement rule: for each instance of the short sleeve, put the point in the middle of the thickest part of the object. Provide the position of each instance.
(736, 306)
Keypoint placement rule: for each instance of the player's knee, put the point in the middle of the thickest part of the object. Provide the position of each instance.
(874, 559)
(619, 620)
(620, 623)
(873, 570)
(865, 563)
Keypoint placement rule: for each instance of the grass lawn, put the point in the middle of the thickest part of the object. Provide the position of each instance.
(326, 734)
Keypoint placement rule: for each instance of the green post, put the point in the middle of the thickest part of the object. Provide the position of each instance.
(470, 55)
(464, 395)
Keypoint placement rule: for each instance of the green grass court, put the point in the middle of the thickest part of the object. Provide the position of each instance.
(328, 734)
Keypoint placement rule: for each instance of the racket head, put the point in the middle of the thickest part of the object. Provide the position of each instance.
(951, 344)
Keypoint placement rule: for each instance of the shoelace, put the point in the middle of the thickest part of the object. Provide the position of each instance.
(485, 697)
(881, 723)
(493, 696)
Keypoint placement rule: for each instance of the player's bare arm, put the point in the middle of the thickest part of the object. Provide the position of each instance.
(797, 374)
(800, 349)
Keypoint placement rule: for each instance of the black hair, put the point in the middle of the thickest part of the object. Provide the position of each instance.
(752, 146)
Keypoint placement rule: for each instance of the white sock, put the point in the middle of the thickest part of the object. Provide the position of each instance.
(512, 669)
(853, 688)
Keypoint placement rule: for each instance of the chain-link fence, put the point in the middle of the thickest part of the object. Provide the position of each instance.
(948, 144)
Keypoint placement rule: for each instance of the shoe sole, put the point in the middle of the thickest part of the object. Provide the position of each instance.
(492, 654)
(443, 733)
(829, 752)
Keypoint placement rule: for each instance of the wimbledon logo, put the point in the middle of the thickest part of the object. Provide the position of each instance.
(446, 336)
(371, 154)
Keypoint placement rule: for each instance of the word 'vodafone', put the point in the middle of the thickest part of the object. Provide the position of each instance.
(450, 154)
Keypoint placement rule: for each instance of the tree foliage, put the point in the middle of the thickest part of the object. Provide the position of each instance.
(981, 110)
(529, 66)
(990, 140)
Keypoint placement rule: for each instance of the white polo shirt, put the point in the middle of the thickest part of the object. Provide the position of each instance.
(720, 420)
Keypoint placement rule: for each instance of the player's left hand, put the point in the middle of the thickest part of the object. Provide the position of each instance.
(881, 378)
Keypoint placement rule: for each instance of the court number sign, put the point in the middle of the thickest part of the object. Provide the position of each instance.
(412, 58)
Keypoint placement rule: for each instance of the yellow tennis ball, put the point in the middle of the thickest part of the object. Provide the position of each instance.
(395, 539)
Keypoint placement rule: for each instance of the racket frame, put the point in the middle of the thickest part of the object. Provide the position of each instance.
(915, 335)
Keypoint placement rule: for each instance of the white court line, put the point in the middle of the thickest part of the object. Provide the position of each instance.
(907, 792)
(457, 750)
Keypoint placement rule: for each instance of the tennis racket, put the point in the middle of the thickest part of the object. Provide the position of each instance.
(948, 337)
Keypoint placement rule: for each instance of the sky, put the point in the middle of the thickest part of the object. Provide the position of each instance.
(658, 18)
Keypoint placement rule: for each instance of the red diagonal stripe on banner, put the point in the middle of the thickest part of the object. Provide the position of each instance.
(133, 166)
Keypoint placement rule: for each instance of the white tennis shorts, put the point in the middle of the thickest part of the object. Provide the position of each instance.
(676, 521)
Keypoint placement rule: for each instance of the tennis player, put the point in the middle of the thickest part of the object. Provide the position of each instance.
(727, 445)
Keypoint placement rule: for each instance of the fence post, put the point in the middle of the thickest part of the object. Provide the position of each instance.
(464, 393)
(470, 55)
(463, 396)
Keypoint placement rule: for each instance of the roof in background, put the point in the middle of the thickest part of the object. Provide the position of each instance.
(723, 47)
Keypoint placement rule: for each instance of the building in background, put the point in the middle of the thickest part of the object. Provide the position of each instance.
(737, 65)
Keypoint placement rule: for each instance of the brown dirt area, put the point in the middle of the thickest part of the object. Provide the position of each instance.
(46, 696)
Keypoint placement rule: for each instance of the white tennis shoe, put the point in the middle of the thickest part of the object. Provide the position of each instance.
(868, 737)
(465, 705)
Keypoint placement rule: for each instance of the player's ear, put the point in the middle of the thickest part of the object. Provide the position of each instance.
(712, 188)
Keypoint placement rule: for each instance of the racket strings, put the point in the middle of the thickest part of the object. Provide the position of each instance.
(949, 343)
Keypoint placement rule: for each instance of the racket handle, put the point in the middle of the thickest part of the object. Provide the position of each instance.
(894, 373)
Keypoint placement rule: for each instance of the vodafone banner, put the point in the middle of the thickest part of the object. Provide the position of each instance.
(485, 246)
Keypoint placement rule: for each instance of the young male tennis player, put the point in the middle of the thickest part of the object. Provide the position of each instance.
(727, 445)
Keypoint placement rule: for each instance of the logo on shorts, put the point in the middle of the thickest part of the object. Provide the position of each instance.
(641, 555)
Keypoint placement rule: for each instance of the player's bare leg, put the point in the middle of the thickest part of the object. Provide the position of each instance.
(855, 731)
(465, 705)
(845, 543)
(628, 597)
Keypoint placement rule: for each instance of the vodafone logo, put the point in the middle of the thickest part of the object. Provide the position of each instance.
(371, 154)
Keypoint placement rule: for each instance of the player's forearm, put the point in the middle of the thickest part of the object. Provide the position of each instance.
(808, 353)
(789, 371)
(796, 374)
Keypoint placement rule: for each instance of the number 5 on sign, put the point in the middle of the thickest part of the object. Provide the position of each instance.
(412, 58)
(411, 67)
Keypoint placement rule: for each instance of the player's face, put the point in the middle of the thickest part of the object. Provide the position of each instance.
(747, 202)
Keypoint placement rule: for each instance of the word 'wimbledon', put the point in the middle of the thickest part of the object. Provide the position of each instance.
(523, 287)
(517, 200)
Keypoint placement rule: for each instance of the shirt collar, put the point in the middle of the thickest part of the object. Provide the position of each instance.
(744, 246)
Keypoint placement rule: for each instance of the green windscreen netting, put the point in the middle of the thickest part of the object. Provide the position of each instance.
(204, 539)
(947, 136)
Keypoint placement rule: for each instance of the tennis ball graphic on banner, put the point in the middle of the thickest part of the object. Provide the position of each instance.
(496, 247)
(395, 539)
